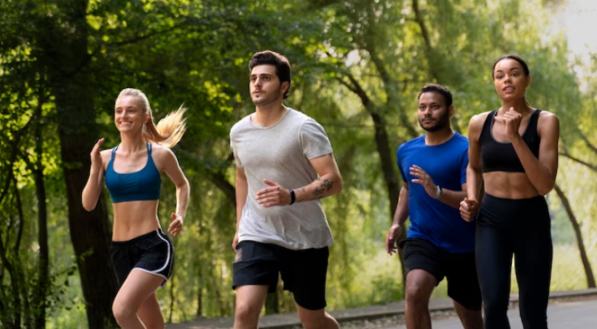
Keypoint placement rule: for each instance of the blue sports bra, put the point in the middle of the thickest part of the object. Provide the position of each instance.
(136, 186)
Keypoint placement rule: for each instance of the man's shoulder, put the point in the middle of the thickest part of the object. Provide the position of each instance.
(300, 118)
(460, 140)
(415, 142)
(240, 125)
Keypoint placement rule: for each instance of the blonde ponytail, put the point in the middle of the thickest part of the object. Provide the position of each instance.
(169, 130)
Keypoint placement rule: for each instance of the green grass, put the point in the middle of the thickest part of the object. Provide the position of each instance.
(379, 280)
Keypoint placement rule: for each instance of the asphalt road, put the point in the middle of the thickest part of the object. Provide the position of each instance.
(569, 315)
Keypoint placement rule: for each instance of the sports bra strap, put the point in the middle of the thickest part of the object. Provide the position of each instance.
(148, 149)
(113, 153)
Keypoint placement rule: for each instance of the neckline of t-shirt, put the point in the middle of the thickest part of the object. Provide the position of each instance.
(272, 126)
(444, 143)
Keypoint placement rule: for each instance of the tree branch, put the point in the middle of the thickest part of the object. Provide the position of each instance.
(579, 240)
(13, 158)
(21, 218)
(421, 23)
(587, 142)
(219, 180)
(346, 84)
(390, 87)
(577, 160)
(216, 177)
(388, 81)
(359, 91)
(138, 38)
(426, 38)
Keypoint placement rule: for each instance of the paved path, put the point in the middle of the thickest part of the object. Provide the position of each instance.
(567, 310)
(569, 315)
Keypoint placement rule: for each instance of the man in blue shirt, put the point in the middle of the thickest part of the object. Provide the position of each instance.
(439, 242)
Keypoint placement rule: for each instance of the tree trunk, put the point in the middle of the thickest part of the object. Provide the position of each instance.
(14, 321)
(390, 178)
(90, 231)
(64, 52)
(385, 155)
(22, 277)
(579, 241)
(220, 181)
(42, 224)
(199, 312)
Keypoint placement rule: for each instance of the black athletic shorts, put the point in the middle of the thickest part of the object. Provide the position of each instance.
(152, 253)
(459, 269)
(303, 271)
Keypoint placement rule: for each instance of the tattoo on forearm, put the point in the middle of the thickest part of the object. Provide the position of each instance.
(325, 186)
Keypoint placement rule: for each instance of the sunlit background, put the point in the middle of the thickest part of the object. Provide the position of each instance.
(357, 68)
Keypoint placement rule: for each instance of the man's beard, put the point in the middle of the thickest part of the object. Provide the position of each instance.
(269, 98)
(441, 123)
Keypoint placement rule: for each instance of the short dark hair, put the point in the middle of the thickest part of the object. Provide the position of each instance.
(435, 88)
(524, 65)
(281, 63)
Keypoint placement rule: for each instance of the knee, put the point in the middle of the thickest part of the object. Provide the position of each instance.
(495, 301)
(417, 293)
(246, 313)
(122, 313)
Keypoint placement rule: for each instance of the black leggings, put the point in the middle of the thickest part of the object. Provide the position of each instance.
(521, 228)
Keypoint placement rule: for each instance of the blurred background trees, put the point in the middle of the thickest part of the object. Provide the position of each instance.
(357, 68)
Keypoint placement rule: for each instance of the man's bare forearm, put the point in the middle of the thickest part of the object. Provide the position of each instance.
(324, 186)
(401, 214)
(452, 198)
(242, 190)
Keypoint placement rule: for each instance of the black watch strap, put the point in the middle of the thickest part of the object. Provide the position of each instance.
(292, 197)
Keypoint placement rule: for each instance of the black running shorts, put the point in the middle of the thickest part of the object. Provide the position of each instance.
(152, 253)
(459, 269)
(303, 271)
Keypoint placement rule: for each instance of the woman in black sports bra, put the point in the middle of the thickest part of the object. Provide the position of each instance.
(513, 153)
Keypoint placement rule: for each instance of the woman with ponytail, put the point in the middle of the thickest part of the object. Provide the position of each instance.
(142, 253)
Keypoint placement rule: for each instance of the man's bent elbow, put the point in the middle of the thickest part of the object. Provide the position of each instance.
(340, 185)
(336, 185)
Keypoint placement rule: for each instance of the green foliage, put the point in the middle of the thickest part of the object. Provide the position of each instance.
(350, 59)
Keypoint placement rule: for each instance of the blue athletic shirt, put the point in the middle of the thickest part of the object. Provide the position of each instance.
(431, 219)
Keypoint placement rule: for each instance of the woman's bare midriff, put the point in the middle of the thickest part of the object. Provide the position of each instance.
(134, 218)
(509, 185)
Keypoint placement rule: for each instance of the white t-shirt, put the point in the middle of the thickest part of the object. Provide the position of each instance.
(281, 154)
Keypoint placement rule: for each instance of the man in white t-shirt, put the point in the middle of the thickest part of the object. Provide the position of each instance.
(284, 166)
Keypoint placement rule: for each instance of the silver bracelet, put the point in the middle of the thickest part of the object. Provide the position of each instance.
(438, 193)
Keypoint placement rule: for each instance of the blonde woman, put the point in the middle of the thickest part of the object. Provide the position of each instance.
(142, 253)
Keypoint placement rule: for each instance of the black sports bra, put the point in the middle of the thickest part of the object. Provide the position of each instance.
(499, 156)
